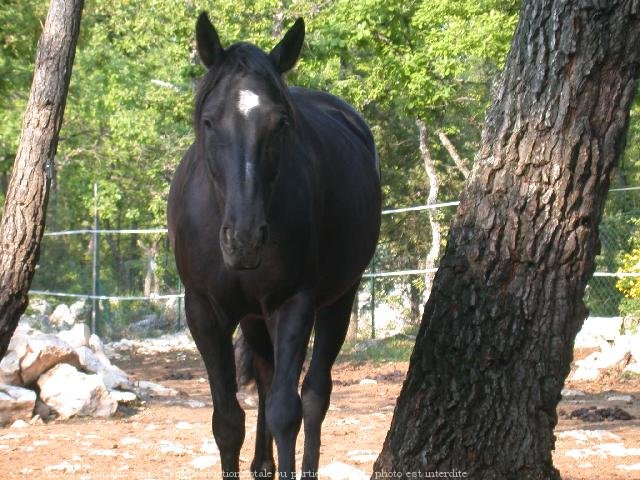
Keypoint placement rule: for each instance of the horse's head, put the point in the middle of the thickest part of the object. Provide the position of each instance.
(243, 117)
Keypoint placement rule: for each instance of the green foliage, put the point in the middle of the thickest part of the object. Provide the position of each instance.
(19, 32)
(397, 348)
(620, 234)
(128, 117)
(128, 121)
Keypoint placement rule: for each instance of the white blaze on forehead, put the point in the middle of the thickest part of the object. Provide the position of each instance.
(247, 101)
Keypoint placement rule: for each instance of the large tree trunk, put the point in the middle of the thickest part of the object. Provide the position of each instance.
(26, 202)
(495, 344)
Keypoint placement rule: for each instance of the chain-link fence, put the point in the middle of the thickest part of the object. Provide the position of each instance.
(124, 282)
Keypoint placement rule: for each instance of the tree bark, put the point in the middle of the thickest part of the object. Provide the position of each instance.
(496, 338)
(23, 220)
(432, 198)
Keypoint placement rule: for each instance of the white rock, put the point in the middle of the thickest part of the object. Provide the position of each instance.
(634, 346)
(77, 336)
(620, 398)
(19, 424)
(43, 352)
(36, 420)
(72, 393)
(150, 389)
(19, 343)
(207, 461)
(114, 378)
(61, 316)
(89, 361)
(16, 403)
(64, 466)
(596, 329)
(607, 358)
(633, 368)
(362, 456)
(191, 403)
(130, 441)
(583, 436)
(78, 309)
(40, 306)
(342, 471)
(583, 374)
(368, 381)
(10, 369)
(96, 344)
(184, 426)
(95, 361)
(209, 447)
(567, 392)
(97, 347)
(100, 452)
(618, 450)
(604, 450)
(123, 397)
(169, 447)
(347, 421)
(629, 468)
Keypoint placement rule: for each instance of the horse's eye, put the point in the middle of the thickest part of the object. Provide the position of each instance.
(208, 124)
(283, 123)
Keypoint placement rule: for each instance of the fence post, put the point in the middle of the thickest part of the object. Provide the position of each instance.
(373, 296)
(96, 259)
(179, 306)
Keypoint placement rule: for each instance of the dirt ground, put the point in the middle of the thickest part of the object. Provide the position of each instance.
(170, 438)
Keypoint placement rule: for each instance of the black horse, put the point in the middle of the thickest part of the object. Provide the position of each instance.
(274, 213)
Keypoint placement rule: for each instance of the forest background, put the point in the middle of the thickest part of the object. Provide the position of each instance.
(421, 73)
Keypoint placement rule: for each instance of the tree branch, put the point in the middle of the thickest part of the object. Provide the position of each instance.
(460, 163)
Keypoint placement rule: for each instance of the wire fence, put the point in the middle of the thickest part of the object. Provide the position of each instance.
(124, 282)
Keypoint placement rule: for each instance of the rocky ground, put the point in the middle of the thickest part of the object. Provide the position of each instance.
(169, 436)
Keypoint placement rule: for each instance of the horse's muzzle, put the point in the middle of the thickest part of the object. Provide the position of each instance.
(241, 250)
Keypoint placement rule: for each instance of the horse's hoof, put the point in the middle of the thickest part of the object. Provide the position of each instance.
(262, 470)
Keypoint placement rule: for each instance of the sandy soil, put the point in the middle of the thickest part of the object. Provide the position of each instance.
(170, 438)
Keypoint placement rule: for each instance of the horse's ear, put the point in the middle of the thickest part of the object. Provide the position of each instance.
(209, 47)
(286, 53)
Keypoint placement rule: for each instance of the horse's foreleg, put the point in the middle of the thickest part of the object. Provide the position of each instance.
(331, 327)
(263, 465)
(212, 333)
(290, 328)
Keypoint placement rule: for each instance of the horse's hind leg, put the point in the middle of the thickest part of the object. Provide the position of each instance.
(331, 327)
(213, 336)
(257, 337)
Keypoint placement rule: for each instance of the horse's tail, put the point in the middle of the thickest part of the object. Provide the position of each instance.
(245, 374)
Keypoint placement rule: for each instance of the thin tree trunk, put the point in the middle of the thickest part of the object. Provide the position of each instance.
(496, 339)
(432, 198)
(151, 282)
(23, 220)
(453, 153)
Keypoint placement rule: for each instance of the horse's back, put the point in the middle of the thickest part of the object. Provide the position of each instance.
(347, 159)
(326, 111)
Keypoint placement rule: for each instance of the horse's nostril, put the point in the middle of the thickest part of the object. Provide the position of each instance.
(227, 235)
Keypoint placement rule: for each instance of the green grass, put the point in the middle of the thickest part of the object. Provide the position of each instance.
(392, 349)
